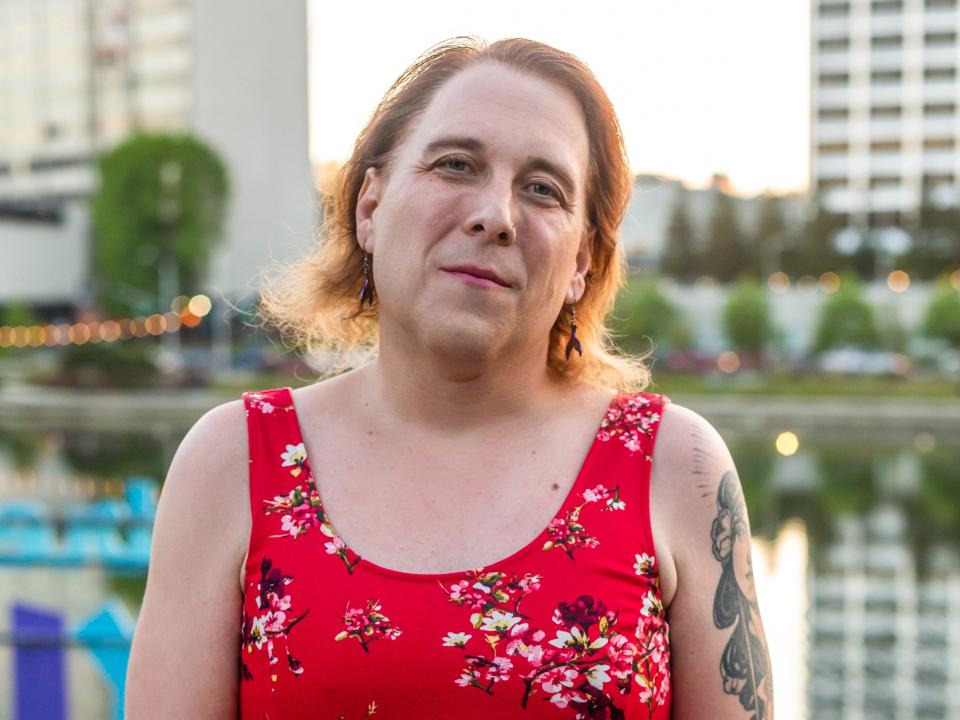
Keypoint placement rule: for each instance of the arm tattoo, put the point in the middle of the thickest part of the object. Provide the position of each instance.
(745, 664)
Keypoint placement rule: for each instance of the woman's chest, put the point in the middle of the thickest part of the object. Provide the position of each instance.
(549, 634)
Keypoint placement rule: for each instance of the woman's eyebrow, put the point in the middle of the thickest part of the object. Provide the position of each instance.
(455, 141)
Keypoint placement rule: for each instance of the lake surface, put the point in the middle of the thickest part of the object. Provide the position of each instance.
(856, 551)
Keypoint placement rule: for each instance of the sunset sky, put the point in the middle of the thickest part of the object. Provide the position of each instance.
(700, 87)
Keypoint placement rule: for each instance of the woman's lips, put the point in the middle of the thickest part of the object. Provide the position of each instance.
(473, 279)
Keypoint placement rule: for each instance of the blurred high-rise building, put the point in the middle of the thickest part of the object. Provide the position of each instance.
(78, 76)
(884, 125)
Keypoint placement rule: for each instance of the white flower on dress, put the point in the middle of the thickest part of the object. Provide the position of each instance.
(597, 676)
(498, 620)
(453, 639)
(644, 564)
(294, 455)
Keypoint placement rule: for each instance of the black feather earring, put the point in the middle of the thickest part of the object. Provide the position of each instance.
(366, 292)
(573, 343)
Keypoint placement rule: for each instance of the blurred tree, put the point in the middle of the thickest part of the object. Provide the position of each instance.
(746, 317)
(160, 205)
(813, 251)
(643, 310)
(846, 318)
(680, 257)
(767, 240)
(935, 240)
(725, 252)
(942, 316)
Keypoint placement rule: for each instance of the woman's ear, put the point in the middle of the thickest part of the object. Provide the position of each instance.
(367, 201)
(578, 283)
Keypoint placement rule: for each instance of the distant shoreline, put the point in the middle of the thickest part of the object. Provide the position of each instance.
(896, 419)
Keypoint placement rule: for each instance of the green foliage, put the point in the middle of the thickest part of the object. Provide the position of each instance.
(846, 319)
(160, 196)
(725, 253)
(813, 251)
(680, 258)
(942, 316)
(746, 316)
(768, 238)
(643, 310)
(123, 364)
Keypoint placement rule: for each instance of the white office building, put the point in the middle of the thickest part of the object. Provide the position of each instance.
(884, 125)
(77, 76)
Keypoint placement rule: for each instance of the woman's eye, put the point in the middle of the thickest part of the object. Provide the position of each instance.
(455, 164)
(545, 190)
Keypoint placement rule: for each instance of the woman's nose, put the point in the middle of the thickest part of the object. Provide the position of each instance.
(493, 216)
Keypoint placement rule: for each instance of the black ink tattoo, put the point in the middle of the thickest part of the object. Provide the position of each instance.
(745, 664)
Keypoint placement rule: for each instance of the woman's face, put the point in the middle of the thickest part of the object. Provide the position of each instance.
(492, 175)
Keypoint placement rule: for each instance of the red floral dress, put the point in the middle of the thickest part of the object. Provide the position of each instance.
(570, 626)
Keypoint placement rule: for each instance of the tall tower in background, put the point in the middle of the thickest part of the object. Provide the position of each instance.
(884, 126)
(77, 76)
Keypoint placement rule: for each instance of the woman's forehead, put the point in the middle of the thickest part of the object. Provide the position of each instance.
(504, 110)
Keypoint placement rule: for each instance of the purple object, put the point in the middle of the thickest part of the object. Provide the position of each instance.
(39, 676)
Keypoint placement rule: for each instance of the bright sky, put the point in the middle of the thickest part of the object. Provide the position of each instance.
(699, 86)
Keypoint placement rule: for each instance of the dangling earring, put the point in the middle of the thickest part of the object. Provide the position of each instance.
(366, 292)
(573, 343)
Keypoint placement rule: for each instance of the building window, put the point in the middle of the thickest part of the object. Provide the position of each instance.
(886, 76)
(885, 146)
(882, 181)
(43, 164)
(935, 179)
(947, 73)
(939, 144)
(840, 43)
(940, 3)
(939, 39)
(828, 184)
(886, 41)
(886, 111)
(832, 148)
(833, 114)
(834, 79)
(878, 7)
(939, 109)
(833, 9)
(883, 219)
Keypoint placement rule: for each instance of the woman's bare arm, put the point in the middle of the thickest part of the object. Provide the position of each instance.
(719, 658)
(184, 660)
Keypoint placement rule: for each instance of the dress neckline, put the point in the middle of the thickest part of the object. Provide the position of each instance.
(536, 543)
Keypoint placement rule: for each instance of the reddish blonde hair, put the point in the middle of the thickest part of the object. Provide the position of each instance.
(314, 301)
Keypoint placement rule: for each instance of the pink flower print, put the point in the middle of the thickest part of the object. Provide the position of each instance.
(499, 669)
(367, 624)
(259, 402)
(632, 418)
(270, 624)
(568, 533)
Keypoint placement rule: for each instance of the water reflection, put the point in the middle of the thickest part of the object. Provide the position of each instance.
(855, 556)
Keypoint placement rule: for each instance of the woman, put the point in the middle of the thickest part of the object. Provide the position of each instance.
(496, 536)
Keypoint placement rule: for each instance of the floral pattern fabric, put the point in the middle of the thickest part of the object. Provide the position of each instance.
(570, 626)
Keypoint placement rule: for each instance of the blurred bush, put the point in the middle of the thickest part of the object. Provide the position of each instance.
(846, 319)
(942, 317)
(126, 364)
(642, 310)
(746, 317)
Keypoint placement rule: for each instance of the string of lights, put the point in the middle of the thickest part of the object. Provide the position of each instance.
(184, 312)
